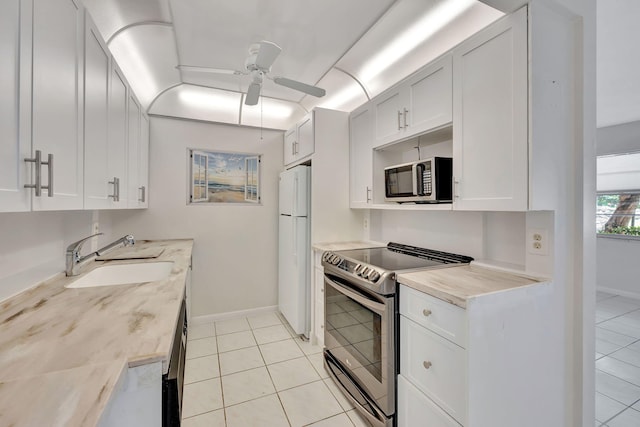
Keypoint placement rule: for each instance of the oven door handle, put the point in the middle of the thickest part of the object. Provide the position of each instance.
(360, 299)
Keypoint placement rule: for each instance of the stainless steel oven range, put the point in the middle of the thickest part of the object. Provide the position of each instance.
(361, 325)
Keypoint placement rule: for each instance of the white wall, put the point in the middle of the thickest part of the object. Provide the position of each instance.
(617, 265)
(494, 236)
(32, 245)
(235, 256)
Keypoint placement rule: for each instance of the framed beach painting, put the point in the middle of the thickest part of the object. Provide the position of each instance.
(223, 177)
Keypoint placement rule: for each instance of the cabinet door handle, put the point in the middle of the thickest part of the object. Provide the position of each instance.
(49, 186)
(38, 164)
(426, 364)
(368, 194)
(116, 189)
(399, 116)
(143, 192)
(426, 312)
(405, 117)
(455, 186)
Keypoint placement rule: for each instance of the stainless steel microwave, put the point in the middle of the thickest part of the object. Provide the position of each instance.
(424, 181)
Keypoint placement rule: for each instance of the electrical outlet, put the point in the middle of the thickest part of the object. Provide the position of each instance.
(365, 223)
(95, 228)
(538, 241)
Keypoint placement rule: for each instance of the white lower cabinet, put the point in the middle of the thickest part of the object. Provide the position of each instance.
(484, 365)
(317, 323)
(436, 366)
(414, 408)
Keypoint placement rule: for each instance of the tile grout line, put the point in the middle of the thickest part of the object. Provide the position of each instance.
(622, 361)
(271, 378)
(224, 412)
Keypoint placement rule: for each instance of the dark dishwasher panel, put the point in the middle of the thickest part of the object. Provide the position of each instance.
(173, 380)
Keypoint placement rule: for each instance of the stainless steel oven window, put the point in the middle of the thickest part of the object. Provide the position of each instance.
(357, 329)
(360, 337)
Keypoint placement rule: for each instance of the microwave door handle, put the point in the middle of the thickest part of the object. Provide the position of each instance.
(414, 174)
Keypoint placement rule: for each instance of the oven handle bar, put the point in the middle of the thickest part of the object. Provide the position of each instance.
(378, 419)
(372, 305)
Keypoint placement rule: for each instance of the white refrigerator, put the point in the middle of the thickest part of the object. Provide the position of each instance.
(294, 249)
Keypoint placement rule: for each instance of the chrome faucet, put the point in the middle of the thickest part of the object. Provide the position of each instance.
(74, 260)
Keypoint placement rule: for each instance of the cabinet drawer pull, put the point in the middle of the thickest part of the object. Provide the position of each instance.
(426, 364)
(399, 115)
(426, 312)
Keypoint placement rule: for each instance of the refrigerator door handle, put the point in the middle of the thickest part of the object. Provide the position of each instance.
(295, 196)
(295, 240)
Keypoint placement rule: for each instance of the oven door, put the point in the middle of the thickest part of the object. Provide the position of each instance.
(359, 334)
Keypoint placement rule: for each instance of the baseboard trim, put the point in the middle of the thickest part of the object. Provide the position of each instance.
(210, 318)
(634, 295)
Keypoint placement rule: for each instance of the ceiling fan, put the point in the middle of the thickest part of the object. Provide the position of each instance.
(261, 57)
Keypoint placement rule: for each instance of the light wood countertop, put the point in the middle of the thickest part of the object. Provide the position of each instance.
(80, 340)
(457, 285)
(346, 246)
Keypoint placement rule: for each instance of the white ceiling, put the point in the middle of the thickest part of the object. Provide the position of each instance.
(354, 49)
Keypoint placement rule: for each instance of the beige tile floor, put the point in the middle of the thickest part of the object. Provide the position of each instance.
(617, 361)
(254, 371)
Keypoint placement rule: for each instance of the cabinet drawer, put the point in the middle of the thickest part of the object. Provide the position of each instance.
(446, 320)
(436, 366)
(414, 408)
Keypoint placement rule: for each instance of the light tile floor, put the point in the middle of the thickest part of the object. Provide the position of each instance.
(254, 371)
(617, 361)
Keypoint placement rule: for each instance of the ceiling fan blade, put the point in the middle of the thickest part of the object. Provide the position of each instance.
(302, 87)
(252, 94)
(208, 70)
(267, 54)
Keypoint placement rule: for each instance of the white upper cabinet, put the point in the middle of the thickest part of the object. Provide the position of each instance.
(15, 143)
(361, 156)
(65, 114)
(389, 114)
(133, 159)
(143, 163)
(420, 103)
(305, 137)
(490, 143)
(430, 98)
(299, 141)
(58, 28)
(99, 187)
(290, 137)
(118, 134)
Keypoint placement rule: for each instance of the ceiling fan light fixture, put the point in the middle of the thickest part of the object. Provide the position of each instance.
(252, 94)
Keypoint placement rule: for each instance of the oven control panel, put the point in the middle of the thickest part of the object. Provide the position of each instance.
(361, 270)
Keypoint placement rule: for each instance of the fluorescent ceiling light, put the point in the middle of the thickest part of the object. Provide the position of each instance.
(210, 99)
(271, 109)
(432, 22)
(342, 97)
(135, 67)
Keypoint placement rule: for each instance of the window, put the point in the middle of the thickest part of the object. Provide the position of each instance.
(618, 186)
(220, 177)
